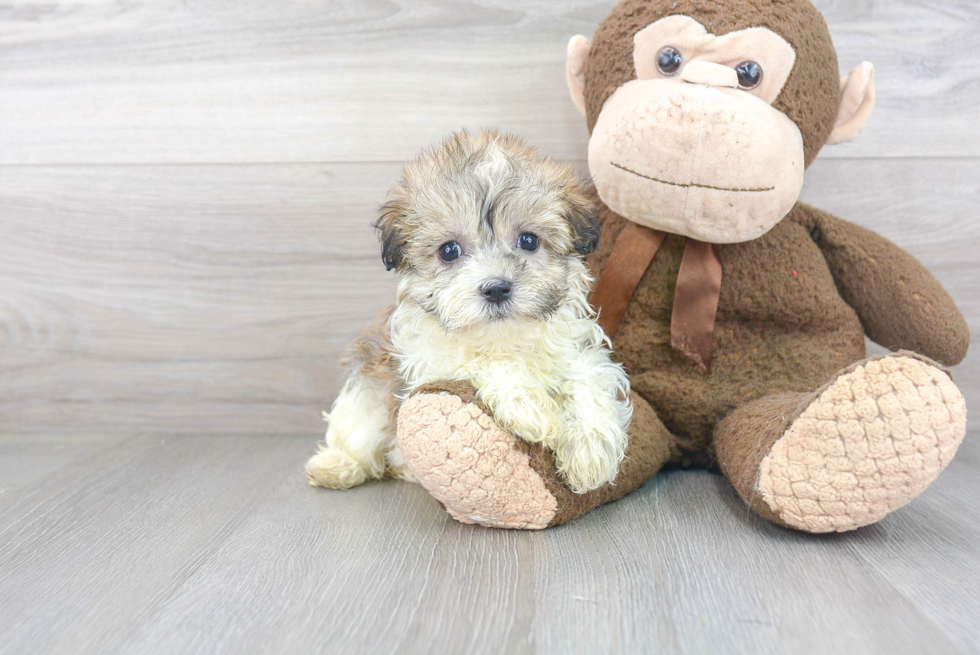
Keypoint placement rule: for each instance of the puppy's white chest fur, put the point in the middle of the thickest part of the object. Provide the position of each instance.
(529, 352)
(549, 381)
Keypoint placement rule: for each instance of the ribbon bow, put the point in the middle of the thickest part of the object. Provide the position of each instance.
(692, 321)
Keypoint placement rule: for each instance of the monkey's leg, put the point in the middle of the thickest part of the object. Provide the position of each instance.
(846, 455)
(484, 475)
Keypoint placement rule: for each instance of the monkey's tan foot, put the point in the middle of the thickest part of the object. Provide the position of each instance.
(334, 469)
(484, 475)
(852, 452)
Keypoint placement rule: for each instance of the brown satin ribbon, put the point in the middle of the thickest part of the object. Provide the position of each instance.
(692, 320)
(692, 323)
(630, 257)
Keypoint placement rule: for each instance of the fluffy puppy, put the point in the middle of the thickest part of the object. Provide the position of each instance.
(489, 238)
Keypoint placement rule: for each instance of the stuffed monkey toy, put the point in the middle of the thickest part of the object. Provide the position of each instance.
(739, 313)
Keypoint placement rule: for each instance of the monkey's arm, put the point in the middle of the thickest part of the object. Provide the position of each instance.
(900, 304)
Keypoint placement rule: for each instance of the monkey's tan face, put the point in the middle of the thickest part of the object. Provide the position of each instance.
(489, 235)
(693, 145)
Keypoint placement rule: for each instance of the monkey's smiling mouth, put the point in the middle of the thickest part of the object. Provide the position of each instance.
(687, 186)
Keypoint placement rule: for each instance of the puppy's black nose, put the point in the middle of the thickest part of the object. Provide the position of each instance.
(498, 292)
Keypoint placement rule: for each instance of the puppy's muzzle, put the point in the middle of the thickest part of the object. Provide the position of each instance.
(497, 293)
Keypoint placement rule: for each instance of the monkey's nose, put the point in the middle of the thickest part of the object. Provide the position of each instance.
(497, 292)
(710, 74)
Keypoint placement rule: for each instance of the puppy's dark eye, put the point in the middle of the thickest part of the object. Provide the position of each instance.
(749, 74)
(528, 242)
(669, 61)
(450, 252)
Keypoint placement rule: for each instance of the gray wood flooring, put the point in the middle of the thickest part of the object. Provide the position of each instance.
(214, 544)
(186, 194)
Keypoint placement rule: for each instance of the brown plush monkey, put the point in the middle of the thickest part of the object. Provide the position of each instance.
(739, 313)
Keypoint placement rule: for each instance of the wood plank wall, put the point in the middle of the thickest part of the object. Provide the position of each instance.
(187, 189)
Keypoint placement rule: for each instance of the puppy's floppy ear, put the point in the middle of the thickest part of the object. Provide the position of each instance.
(583, 217)
(390, 230)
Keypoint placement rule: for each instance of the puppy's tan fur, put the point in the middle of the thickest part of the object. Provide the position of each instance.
(539, 361)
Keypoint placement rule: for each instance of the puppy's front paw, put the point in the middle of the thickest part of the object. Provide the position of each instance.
(334, 469)
(532, 415)
(587, 465)
(588, 454)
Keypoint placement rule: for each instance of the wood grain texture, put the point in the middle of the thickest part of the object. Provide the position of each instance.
(217, 298)
(26, 459)
(213, 544)
(945, 522)
(184, 298)
(147, 81)
(104, 538)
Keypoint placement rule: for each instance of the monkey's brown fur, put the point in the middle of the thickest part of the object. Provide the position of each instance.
(810, 433)
(783, 323)
(794, 301)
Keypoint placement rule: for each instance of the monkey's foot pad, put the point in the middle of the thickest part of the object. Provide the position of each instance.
(479, 471)
(869, 443)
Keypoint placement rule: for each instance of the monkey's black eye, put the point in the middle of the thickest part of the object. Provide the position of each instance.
(749, 74)
(669, 61)
(528, 242)
(450, 252)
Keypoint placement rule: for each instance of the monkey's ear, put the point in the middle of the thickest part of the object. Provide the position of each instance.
(390, 232)
(857, 101)
(578, 55)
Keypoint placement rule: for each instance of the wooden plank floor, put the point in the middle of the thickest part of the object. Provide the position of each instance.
(214, 544)
(186, 194)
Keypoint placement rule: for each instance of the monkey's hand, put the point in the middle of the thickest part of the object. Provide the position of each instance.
(900, 304)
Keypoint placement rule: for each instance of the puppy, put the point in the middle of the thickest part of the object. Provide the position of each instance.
(489, 238)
